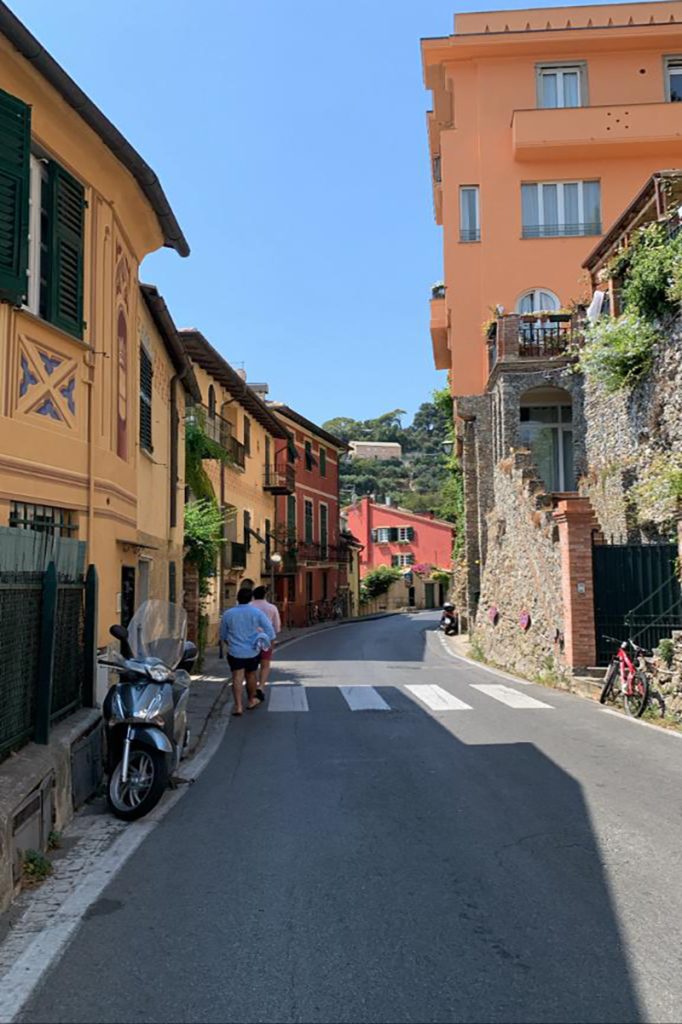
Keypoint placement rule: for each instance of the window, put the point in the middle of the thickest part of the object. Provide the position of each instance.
(673, 79)
(399, 561)
(405, 534)
(211, 402)
(55, 246)
(247, 435)
(309, 587)
(172, 582)
(536, 301)
(324, 530)
(393, 534)
(247, 530)
(561, 85)
(309, 459)
(469, 224)
(292, 454)
(325, 585)
(548, 431)
(560, 208)
(146, 374)
(58, 522)
(323, 461)
(381, 535)
(268, 468)
(291, 517)
(308, 524)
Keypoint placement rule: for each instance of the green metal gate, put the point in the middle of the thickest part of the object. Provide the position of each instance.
(636, 594)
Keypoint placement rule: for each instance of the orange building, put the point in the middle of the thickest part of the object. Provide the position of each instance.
(544, 124)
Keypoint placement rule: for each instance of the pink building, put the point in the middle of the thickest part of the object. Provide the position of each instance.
(395, 536)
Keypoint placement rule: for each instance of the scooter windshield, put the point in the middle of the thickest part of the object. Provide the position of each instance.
(158, 630)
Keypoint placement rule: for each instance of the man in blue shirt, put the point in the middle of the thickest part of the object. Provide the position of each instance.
(246, 631)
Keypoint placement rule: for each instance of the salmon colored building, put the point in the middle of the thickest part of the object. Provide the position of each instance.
(395, 536)
(545, 122)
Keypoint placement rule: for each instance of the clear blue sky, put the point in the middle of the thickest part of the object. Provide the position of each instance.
(290, 140)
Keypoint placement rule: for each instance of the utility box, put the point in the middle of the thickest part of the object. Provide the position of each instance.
(86, 766)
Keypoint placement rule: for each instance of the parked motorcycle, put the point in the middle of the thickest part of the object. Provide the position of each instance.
(449, 621)
(145, 712)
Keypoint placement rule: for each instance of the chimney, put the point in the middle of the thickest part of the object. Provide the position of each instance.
(262, 390)
(241, 372)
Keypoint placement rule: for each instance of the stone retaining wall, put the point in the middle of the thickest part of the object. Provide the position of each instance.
(625, 430)
(522, 575)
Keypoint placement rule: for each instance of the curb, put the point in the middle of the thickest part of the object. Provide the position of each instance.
(323, 627)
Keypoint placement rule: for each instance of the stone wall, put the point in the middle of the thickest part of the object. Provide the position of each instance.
(522, 574)
(624, 430)
(667, 678)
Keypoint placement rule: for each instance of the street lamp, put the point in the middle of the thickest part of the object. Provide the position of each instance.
(275, 559)
(447, 447)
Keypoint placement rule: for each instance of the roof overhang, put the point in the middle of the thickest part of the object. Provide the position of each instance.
(163, 321)
(29, 47)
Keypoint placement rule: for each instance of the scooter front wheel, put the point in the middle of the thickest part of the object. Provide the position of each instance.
(146, 783)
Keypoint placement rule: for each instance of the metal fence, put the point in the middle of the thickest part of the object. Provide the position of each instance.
(47, 652)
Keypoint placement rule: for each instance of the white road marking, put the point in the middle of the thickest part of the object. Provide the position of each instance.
(512, 698)
(32, 952)
(363, 698)
(288, 698)
(438, 699)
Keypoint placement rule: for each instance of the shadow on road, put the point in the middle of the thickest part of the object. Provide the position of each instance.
(366, 867)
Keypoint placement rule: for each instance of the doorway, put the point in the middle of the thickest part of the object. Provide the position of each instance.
(546, 428)
(127, 594)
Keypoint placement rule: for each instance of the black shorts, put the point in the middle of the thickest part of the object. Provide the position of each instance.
(248, 664)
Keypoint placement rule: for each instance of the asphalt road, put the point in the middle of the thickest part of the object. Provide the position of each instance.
(490, 862)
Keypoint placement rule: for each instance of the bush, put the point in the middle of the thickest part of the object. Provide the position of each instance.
(665, 651)
(647, 270)
(377, 582)
(618, 351)
(35, 867)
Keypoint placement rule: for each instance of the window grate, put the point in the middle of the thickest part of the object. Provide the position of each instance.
(58, 522)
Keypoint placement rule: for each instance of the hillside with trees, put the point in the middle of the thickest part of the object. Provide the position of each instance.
(426, 478)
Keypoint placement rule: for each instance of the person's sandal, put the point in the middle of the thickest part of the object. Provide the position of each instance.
(260, 695)
(237, 714)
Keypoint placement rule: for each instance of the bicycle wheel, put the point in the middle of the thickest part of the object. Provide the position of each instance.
(636, 699)
(609, 680)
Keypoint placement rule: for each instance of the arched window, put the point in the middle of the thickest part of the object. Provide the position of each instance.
(211, 402)
(538, 300)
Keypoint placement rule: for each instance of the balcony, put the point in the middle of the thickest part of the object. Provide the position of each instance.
(652, 129)
(217, 430)
(237, 452)
(440, 320)
(280, 479)
(527, 336)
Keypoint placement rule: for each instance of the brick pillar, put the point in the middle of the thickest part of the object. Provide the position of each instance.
(508, 336)
(576, 520)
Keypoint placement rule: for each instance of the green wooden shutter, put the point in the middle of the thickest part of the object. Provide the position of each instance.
(291, 517)
(410, 532)
(15, 179)
(146, 375)
(67, 223)
(393, 534)
(395, 561)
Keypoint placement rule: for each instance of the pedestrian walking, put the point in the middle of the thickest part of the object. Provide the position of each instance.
(272, 612)
(246, 631)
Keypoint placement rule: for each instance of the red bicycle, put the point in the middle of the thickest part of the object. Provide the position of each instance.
(634, 684)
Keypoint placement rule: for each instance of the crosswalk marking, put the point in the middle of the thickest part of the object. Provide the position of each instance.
(512, 698)
(288, 698)
(363, 698)
(438, 699)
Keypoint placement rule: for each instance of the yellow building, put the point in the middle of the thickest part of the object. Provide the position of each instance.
(79, 210)
(247, 482)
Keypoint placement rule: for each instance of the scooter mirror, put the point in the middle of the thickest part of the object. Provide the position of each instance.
(120, 632)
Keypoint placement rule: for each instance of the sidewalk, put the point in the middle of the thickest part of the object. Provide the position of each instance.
(211, 689)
